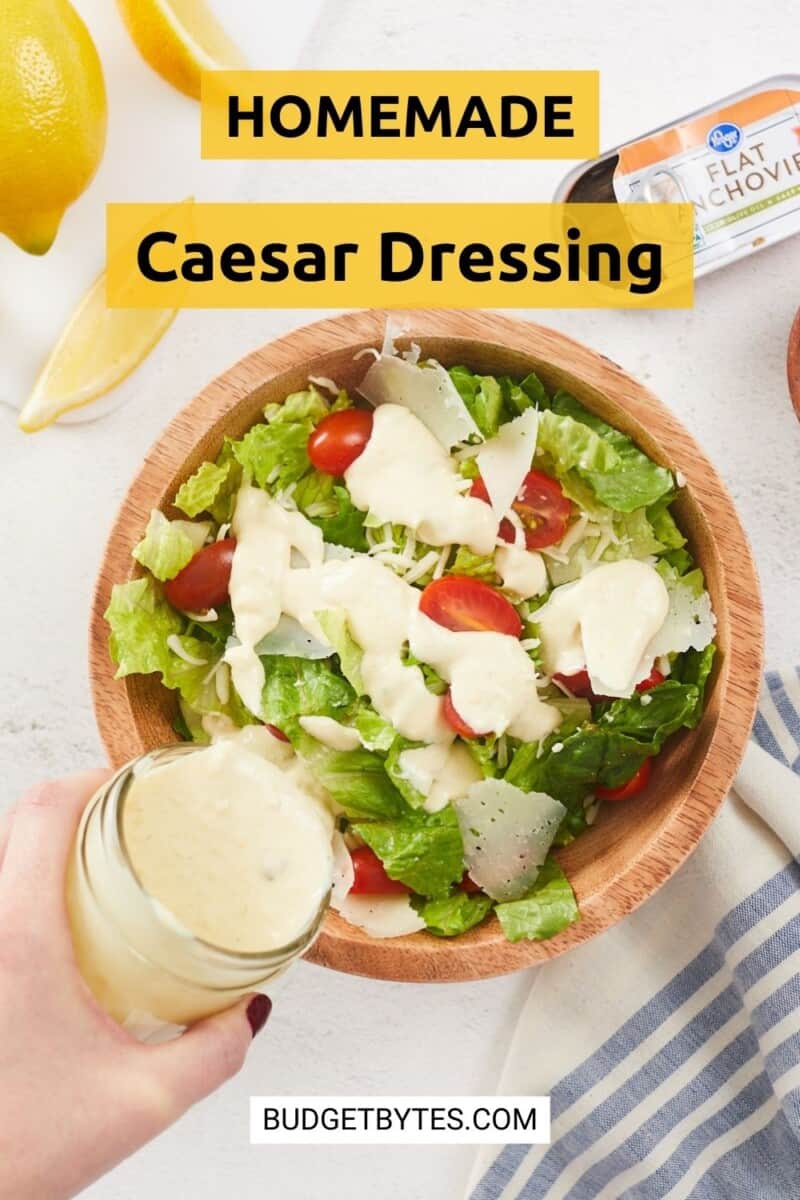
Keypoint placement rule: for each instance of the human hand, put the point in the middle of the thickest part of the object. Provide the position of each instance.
(79, 1092)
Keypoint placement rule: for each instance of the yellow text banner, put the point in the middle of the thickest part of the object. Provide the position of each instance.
(400, 114)
(413, 255)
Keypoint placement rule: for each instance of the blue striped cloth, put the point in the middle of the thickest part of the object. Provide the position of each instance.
(670, 1046)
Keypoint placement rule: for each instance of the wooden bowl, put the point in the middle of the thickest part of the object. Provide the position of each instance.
(634, 847)
(793, 363)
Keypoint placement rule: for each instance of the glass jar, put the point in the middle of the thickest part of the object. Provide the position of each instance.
(145, 969)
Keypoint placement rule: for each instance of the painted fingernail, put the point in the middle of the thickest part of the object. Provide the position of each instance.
(258, 1010)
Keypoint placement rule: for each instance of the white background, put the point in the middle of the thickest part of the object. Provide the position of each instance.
(721, 368)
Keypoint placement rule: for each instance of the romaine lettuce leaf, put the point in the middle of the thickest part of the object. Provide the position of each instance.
(275, 455)
(336, 516)
(375, 731)
(483, 396)
(549, 907)
(200, 490)
(454, 914)
(167, 546)
(423, 850)
(301, 687)
(334, 625)
(479, 566)
(634, 481)
(141, 621)
(356, 779)
(308, 405)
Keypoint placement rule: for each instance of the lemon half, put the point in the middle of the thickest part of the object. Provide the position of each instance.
(98, 348)
(180, 39)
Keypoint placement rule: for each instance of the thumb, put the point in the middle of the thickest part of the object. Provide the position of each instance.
(210, 1052)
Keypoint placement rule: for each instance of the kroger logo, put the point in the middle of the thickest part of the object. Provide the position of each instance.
(724, 137)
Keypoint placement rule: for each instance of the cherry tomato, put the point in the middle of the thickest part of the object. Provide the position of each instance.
(276, 733)
(579, 685)
(540, 505)
(370, 877)
(339, 439)
(468, 605)
(469, 885)
(203, 582)
(653, 680)
(455, 721)
(637, 783)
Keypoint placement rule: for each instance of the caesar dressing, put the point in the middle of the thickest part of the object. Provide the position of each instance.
(440, 773)
(331, 733)
(604, 624)
(490, 673)
(522, 571)
(198, 875)
(405, 476)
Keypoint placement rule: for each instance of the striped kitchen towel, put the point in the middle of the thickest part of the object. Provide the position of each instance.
(670, 1046)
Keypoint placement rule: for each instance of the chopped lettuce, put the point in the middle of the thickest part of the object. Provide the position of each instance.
(141, 621)
(422, 850)
(480, 566)
(633, 480)
(494, 400)
(433, 680)
(375, 731)
(335, 515)
(200, 490)
(302, 687)
(452, 915)
(309, 405)
(356, 779)
(334, 625)
(167, 546)
(549, 907)
(275, 456)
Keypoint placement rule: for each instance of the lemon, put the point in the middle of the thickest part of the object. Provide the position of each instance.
(179, 39)
(97, 349)
(52, 117)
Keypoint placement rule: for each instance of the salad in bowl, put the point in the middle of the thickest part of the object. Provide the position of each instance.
(460, 601)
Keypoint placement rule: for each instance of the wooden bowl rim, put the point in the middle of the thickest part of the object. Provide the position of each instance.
(422, 957)
(793, 363)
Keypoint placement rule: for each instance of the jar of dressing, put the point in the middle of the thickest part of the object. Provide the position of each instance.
(198, 875)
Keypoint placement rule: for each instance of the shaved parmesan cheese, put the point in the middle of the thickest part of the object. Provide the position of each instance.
(428, 392)
(290, 639)
(343, 873)
(507, 834)
(690, 624)
(505, 460)
(381, 916)
(331, 733)
(325, 384)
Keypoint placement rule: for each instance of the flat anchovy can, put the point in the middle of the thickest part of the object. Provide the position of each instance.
(737, 161)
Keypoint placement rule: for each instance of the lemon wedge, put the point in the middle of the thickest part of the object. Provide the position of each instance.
(98, 348)
(179, 39)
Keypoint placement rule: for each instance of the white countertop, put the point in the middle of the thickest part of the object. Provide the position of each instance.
(720, 367)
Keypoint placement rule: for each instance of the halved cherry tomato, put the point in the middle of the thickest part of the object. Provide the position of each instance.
(469, 885)
(276, 733)
(637, 783)
(203, 582)
(339, 439)
(468, 605)
(579, 685)
(370, 877)
(540, 505)
(653, 680)
(455, 721)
